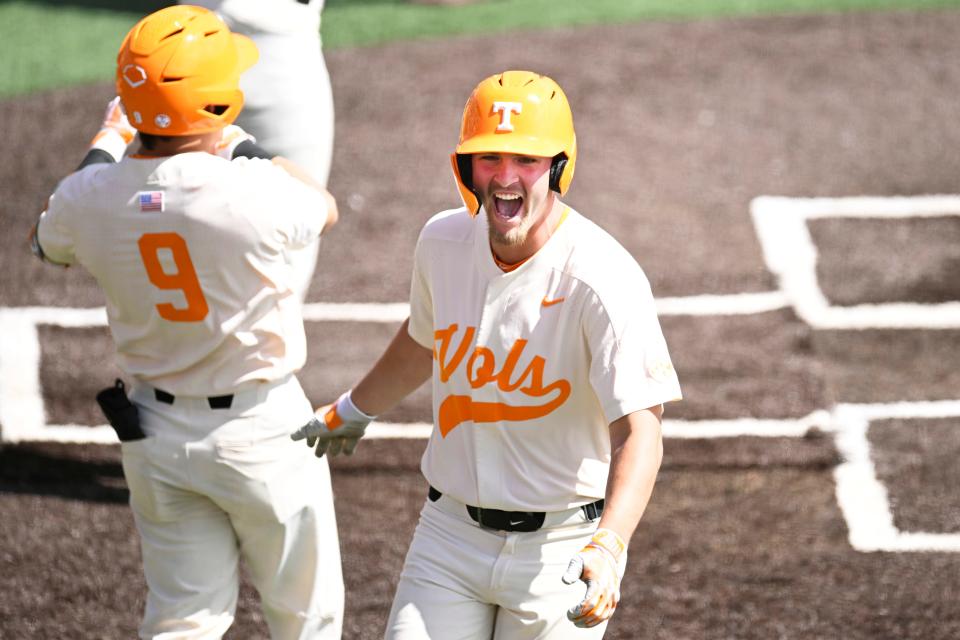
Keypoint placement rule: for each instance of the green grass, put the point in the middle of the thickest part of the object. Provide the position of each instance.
(366, 22)
(42, 47)
(45, 45)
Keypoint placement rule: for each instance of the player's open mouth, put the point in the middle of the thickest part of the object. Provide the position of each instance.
(508, 205)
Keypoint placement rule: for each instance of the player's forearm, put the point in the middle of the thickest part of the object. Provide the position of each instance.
(404, 366)
(637, 449)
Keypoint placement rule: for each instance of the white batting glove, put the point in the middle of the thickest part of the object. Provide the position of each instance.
(230, 139)
(597, 565)
(115, 132)
(338, 430)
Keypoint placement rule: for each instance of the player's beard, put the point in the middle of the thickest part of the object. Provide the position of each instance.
(513, 237)
(516, 235)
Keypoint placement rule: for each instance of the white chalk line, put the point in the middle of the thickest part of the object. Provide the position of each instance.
(791, 255)
(356, 312)
(21, 400)
(395, 312)
(685, 429)
(811, 307)
(863, 207)
(862, 497)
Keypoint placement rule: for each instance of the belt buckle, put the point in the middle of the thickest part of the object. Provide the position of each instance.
(512, 521)
(528, 521)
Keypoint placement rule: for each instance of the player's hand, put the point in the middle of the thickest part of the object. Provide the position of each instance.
(335, 428)
(115, 131)
(230, 139)
(597, 564)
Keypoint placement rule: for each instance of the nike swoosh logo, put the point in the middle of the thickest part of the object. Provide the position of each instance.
(513, 524)
(550, 303)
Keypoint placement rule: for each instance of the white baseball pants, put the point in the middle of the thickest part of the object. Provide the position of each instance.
(464, 582)
(211, 486)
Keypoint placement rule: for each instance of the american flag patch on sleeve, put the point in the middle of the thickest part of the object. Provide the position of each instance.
(151, 201)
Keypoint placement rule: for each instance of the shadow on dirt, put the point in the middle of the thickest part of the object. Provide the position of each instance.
(53, 470)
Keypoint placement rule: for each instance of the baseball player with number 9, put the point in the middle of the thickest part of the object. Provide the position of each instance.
(188, 237)
(549, 373)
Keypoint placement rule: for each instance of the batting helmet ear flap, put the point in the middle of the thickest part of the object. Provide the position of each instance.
(463, 172)
(561, 170)
(556, 171)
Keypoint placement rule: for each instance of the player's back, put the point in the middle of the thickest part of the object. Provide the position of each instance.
(190, 252)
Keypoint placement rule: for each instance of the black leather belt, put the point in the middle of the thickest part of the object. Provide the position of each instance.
(215, 402)
(522, 521)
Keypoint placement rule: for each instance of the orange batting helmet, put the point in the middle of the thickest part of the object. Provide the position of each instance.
(516, 112)
(178, 72)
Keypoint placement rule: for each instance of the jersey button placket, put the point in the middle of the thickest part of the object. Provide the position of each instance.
(486, 439)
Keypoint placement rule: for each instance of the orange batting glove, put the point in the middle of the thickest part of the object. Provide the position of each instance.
(115, 132)
(335, 428)
(597, 564)
(230, 139)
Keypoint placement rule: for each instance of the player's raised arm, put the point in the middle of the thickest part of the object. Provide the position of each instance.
(111, 141)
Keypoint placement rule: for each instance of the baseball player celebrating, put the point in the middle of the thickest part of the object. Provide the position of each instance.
(549, 373)
(187, 239)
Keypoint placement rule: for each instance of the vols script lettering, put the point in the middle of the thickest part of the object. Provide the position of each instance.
(481, 369)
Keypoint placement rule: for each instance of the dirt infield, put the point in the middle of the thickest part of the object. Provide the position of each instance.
(680, 127)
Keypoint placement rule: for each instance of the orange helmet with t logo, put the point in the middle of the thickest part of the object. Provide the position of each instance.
(517, 112)
(178, 72)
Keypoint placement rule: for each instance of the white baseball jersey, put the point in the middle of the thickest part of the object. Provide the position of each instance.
(531, 366)
(190, 253)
